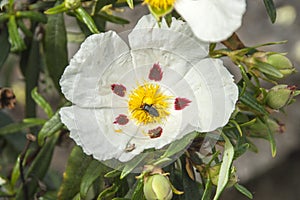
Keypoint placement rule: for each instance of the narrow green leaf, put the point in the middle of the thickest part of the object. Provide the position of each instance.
(208, 190)
(38, 169)
(252, 103)
(130, 4)
(113, 19)
(113, 174)
(138, 193)
(56, 52)
(15, 173)
(50, 127)
(225, 166)
(132, 164)
(271, 10)
(33, 15)
(179, 145)
(5, 46)
(17, 43)
(15, 127)
(42, 102)
(84, 17)
(243, 190)
(77, 164)
(93, 171)
(271, 137)
(268, 69)
(120, 198)
(108, 192)
(56, 9)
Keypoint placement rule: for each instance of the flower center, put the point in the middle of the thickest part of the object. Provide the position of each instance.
(147, 104)
(160, 4)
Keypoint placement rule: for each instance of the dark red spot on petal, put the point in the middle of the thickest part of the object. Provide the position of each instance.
(121, 120)
(118, 89)
(181, 103)
(156, 73)
(155, 133)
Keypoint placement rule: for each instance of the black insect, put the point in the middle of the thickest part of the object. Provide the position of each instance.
(150, 109)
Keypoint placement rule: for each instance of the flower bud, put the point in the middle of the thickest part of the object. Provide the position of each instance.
(279, 96)
(157, 186)
(280, 63)
(214, 171)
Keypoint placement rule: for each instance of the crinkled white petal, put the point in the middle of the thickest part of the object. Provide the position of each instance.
(80, 81)
(212, 20)
(215, 91)
(177, 39)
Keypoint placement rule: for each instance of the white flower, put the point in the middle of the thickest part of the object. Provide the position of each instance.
(128, 98)
(210, 20)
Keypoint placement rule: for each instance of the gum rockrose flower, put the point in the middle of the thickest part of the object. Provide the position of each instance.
(210, 20)
(146, 93)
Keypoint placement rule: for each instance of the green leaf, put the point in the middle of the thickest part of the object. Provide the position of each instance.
(268, 69)
(271, 10)
(132, 164)
(84, 17)
(5, 46)
(108, 192)
(271, 137)
(251, 102)
(225, 166)
(113, 174)
(17, 43)
(42, 102)
(243, 190)
(138, 193)
(56, 9)
(113, 19)
(50, 127)
(130, 4)
(56, 52)
(93, 171)
(38, 169)
(208, 190)
(179, 145)
(33, 15)
(15, 173)
(26, 123)
(77, 164)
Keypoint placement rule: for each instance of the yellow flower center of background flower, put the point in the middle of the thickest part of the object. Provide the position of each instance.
(147, 104)
(160, 4)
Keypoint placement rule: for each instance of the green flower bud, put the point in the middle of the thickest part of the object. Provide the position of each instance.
(72, 4)
(274, 66)
(157, 186)
(214, 171)
(279, 96)
(259, 129)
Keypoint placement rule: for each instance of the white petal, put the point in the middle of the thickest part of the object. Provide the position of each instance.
(177, 39)
(215, 92)
(212, 20)
(80, 81)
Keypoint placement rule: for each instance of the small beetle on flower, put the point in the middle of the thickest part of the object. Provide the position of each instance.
(147, 94)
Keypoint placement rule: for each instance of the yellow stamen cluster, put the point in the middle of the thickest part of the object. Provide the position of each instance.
(151, 95)
(160, 4)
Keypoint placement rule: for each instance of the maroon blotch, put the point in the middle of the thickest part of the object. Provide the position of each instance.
(181, 103)
(121, 120)
(118, 89)
(155, 133)
(156, 73)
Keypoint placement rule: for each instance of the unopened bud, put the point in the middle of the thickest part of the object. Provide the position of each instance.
(214, 171)
(157, 186)
(279, 96)
(274, 65)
